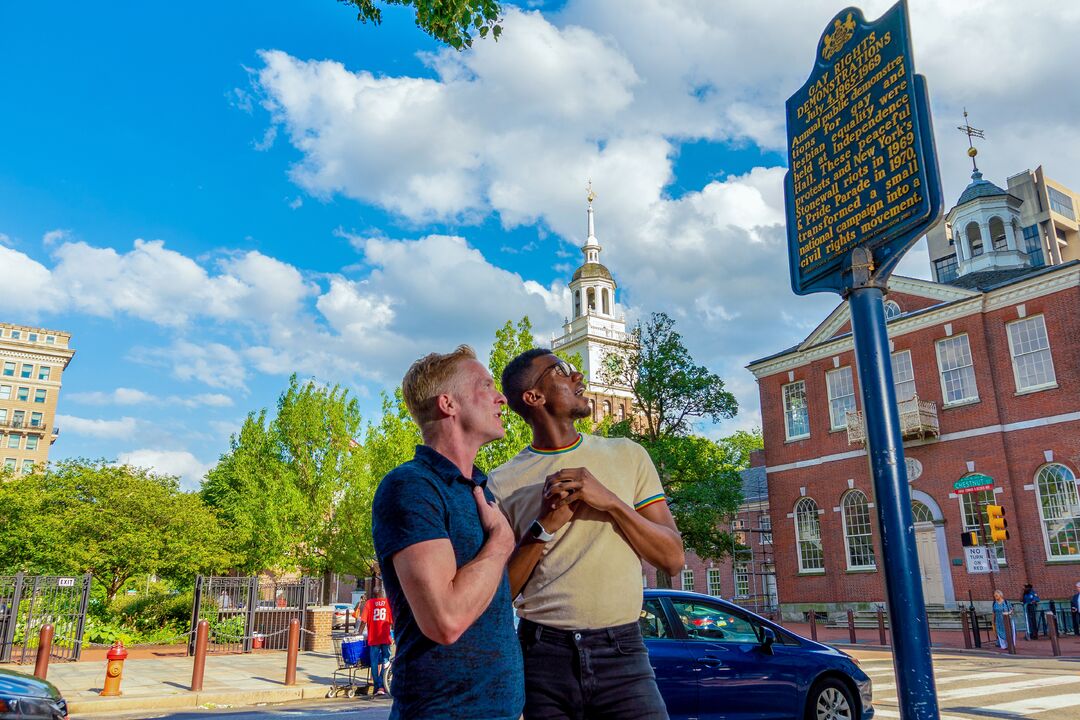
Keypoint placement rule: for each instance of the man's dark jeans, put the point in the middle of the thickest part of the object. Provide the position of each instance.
(594, 674)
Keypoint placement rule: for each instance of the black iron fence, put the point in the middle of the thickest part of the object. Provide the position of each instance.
(27, 602)
(251, 613)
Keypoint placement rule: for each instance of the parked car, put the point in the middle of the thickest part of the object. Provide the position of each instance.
(24, 697)
(341, 612)
(717, 661)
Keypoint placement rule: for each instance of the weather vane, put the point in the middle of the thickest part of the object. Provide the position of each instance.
(971, 133)
(590, 195)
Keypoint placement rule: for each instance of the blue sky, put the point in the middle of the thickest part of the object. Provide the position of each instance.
(210, 198)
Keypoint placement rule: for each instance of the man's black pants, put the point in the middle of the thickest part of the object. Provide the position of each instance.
(588, 674)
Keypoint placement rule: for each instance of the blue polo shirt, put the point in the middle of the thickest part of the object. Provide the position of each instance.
(479, 677)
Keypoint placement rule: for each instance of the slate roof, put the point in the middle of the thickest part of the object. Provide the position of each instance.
(979, 188)
(754, 486)
(989, 279)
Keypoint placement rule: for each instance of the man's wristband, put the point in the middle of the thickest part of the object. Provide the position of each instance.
(537, 531)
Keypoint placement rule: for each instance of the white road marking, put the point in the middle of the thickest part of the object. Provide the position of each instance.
(880, 712)
(1030, 706)
(955, 678)
(998, 689)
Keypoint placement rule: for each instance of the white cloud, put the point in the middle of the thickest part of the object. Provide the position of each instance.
(119, 396)
(111, 429)
(180, 463)
(5, 240)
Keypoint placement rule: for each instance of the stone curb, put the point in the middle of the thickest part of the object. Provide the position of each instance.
(96, 707)
(977, 652)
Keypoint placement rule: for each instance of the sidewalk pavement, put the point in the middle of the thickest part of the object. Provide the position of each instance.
(163, 682)
(160, 680)
(942, 640)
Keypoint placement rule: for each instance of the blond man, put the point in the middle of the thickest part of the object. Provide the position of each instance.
(443, 545)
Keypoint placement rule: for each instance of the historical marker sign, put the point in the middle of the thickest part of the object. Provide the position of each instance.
(973, 483)
(862, 168)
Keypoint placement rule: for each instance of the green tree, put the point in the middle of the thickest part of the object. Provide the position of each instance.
(296, 488)
(669, 389)
(116, 522)
(450, 21)
(700, 476)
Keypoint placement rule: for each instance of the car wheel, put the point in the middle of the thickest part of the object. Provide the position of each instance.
(830, 699)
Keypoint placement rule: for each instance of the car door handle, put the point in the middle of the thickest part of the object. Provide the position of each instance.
(710, 662)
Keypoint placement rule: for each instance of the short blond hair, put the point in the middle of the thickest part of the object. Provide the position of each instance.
(429, 377)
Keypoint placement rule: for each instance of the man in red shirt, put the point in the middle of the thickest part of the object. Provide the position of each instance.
(377, 619)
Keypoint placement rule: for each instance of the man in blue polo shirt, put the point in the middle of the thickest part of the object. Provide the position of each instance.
(442, 545)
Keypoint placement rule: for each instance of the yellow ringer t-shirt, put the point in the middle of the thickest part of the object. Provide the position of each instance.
(589, 576)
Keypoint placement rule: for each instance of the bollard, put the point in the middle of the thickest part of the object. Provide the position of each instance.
(965, 625)
(44, 651)
(851, 626)
(975, 628)
(881, 626)
(813, 625)
(202, 641)
(114, 671)
(1010, 641)
(1052, 631)
(294, 650)
(348, 616)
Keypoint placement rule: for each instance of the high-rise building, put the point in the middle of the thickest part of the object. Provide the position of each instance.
(32, 361)
(595, 329)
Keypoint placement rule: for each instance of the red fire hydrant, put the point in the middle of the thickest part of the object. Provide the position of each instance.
(114, 671)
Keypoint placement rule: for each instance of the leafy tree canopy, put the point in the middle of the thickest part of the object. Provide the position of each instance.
(450, 21)
(116, 522)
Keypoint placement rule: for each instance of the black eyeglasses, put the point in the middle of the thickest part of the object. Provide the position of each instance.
(560, 366)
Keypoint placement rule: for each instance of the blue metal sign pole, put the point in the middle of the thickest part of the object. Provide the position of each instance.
(862, 186)
(884, 446)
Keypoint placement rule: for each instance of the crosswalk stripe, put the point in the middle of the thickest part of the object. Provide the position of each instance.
(1030, 706)
(939, 680)
(883, 713)
(1032, 684)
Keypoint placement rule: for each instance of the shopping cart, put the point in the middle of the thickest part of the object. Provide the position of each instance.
(353, 659)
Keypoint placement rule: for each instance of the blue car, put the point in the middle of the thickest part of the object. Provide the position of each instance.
(717, 661)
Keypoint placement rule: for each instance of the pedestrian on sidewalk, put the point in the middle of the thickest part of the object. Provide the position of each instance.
(377, 619)
(1074, 605)
(1002, 607)
(585, 511)
(1031, 612)
(442, 544)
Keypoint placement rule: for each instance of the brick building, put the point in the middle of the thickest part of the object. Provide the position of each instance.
(747, 575)
(31, 362)
(987, 376)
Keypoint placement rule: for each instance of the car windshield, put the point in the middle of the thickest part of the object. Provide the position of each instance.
(707, 621)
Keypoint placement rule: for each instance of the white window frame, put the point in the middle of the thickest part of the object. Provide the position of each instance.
(850, 533)
(1040, 322)
(1068, 482)
(712, 577)
(740, 571)
(910, 366)
(842, 376)
(686, 578)
(787, 414)
(31, 442)
(10, 464)
(999, 546)
(765, 525)
(813, 514)
(970, 367)
(5, 392)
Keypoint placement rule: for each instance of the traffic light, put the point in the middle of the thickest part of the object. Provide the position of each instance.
(995, 518)
(969, 538)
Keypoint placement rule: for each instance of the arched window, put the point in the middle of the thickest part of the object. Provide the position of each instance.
(892, 309)
(920, 513)
(860, 546)
(607, 408)
(974, 236)
(808, 536)
(577, 303)
(997, 233)
(590, 299)
(1059, 508)
(605, 297)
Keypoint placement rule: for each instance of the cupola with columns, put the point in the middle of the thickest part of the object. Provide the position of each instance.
(595, 328)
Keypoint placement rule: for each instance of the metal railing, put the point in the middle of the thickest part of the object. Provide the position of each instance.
(918, 419)
(14, 424)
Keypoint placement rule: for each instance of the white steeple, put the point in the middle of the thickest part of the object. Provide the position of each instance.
(591, 249)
